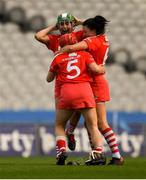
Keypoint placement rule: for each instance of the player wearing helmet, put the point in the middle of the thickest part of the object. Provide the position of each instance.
(66, 23)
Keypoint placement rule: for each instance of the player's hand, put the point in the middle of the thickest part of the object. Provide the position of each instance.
(77, 21)
(102, 68)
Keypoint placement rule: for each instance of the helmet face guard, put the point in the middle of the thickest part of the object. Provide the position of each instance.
(65, 17)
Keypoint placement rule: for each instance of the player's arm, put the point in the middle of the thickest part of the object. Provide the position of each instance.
(50, 76)
(52, 71)
(99, 69)
(75, 47)
(42, 35)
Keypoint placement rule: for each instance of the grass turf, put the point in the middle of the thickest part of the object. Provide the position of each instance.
(44, 167)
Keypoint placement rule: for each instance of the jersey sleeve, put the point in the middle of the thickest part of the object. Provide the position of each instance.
(93, 44)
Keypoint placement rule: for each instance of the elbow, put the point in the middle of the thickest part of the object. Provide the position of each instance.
(50, 77)
(48, 80)
(37, 37)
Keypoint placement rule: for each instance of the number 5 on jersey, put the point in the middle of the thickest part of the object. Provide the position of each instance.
(71, 67)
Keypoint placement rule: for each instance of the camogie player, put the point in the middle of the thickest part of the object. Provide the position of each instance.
(97, 44)
(66, 23)
(71, 70)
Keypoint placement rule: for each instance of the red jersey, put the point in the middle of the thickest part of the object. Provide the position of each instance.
(54, 43)
(72, 67)
(98, 46)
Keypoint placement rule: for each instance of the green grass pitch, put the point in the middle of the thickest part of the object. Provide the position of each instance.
(45, 168)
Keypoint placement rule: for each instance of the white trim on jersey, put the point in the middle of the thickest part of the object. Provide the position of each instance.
(56, 55)
(105, 56)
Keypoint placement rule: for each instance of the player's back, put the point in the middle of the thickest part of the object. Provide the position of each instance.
(73, 67)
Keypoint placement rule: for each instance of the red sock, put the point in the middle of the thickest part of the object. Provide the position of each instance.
(98, 149)
(60, 145)
(110, 138)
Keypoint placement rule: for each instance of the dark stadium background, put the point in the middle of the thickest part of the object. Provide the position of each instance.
(27, 101)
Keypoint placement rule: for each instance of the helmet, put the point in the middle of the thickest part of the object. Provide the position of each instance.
(67, 39)
(65, 17)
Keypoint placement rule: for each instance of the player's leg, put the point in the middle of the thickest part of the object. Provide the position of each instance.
(102, 94)
(96, 157)
(70, 129)
(62, 117)
(73, 119)
(91, 124)
(108, 134)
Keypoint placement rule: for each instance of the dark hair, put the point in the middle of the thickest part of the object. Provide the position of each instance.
(97, 23)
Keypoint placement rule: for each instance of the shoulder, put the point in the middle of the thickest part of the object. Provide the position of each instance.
(92, 40)
(103, 37)
(60, 56)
